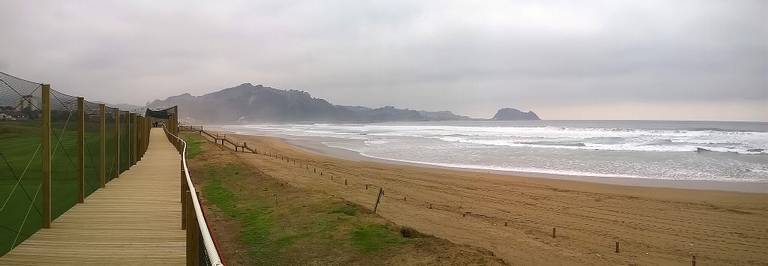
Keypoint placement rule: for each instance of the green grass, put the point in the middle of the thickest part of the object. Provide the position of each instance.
(256, 222)
(375, 237)
(194, 143)
(283, 225)
(347, 209)
(272, 234)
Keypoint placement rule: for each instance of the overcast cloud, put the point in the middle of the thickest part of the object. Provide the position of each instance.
(701, 60)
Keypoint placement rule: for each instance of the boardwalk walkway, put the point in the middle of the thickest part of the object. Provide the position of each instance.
(135, 220)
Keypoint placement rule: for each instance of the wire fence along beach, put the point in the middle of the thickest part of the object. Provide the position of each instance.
(378, 195)
(56, 150)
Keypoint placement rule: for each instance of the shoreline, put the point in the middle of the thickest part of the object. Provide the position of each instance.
(513, 215)
(316, 145)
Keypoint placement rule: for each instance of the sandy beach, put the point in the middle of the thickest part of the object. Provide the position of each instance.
(514, 215)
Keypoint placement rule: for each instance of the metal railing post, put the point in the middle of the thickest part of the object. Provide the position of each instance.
(46, 156)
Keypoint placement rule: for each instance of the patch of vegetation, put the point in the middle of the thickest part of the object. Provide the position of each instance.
(375, 237)
(194, 143)
(221, 197)
(277, 224)
(347, 209)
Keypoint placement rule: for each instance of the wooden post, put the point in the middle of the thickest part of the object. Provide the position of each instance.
(617, 246)
(193, 234)
(693, 260)
(46, 156)
(80, 150)
(378, 199)
(117, 141)
(139, 140)
(131, 138)
(135, 138)
(128, 137)
(102, 145)
(554, 231)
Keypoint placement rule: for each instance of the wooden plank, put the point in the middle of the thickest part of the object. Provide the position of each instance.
(133, 220)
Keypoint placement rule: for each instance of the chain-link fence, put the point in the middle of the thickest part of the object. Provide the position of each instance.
(76, 140)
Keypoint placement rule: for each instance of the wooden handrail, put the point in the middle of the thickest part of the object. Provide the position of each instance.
(194, 212)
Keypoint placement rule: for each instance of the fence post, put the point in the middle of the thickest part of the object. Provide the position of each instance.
(378, 199)
(46, 156)
(102, 145)
(135, 137)
(80, 150)
(117, 141)
(193, 233)
(131, 125)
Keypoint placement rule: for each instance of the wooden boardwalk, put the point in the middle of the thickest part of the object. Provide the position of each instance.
(135, 220)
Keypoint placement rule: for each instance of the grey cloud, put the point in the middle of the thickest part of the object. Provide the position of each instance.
(467, 56)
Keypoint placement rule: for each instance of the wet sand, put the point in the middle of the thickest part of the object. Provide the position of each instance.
(514, 215)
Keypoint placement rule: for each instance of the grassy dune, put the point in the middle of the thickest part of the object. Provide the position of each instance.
(260, 220)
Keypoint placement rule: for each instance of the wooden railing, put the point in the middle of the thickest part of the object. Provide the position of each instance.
(220, 139)
(201, 247)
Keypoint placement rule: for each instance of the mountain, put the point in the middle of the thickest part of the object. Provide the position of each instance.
(249, 103)
(514, 114)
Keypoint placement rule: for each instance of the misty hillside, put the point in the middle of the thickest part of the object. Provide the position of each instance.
(249, 103)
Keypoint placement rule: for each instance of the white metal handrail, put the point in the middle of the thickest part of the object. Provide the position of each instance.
(210, 246)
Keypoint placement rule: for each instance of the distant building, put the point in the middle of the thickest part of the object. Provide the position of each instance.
(12, 113)
(4, 116)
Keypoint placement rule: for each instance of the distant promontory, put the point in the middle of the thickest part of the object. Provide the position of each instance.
(508, 114)
(256, 103)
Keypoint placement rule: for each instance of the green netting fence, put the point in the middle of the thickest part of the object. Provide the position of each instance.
(111, 142)
(82, 153)
(92, 145)
(20, 160)
(63, 153)
(123, 141)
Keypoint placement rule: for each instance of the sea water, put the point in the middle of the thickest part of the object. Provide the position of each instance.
(670, 150)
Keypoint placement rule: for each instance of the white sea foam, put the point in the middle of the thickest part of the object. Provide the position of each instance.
(609, 149)
(549, 137)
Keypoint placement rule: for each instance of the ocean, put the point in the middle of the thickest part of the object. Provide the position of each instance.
(667, 150)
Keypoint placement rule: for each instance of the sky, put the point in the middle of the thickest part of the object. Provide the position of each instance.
(650, 60)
